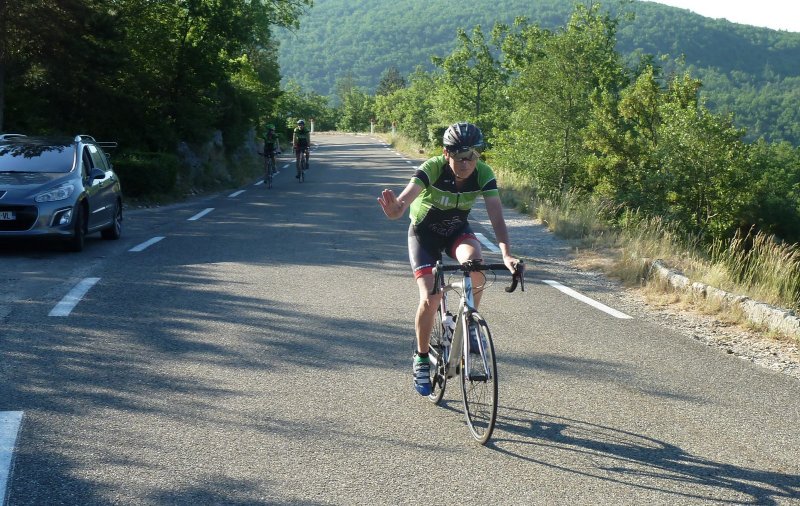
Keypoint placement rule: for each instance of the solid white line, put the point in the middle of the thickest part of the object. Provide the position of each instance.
(201, 214)
(572, 293)
(10, 422)
(70, 300)
(486, 242)
(236, 194)
(145, 244)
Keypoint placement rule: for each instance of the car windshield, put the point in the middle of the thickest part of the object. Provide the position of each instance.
(35, 157)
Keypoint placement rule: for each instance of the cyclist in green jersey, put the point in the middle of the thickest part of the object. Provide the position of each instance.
(301, 140)
(271, 144)
(440, 196)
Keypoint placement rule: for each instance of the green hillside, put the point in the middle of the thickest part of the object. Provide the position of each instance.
(746, 70)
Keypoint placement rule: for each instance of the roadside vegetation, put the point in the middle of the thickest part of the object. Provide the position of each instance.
(756, 265)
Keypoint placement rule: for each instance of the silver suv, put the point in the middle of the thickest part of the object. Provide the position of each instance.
(58, 188)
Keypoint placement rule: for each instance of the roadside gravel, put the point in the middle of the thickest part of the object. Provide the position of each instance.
(531, 239)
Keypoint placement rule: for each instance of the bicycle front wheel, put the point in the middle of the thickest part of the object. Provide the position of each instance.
(269, 173)
(438, 356)
(479, 382)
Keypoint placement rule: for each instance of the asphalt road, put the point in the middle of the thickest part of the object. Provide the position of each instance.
(261, 353)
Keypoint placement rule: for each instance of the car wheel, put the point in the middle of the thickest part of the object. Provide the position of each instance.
(76, 242)
(114, 231)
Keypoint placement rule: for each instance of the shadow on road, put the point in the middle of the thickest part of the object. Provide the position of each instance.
(635, 460)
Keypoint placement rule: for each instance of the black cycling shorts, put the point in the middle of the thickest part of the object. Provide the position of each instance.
(425, 249)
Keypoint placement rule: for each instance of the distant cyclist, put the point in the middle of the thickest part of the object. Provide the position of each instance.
(271, 144)
(301, 139)
(440, 196)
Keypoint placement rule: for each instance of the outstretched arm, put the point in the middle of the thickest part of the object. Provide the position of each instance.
(494, 207)
(394, 206)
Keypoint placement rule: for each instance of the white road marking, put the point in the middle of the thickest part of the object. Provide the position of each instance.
(236, 194)
(146, 244)
(10, 422)
(70, 300)
(486, 242)
(572, 293)
(201, 214)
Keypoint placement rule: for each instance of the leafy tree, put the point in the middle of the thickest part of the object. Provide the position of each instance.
(557, 74)
(391, 81)
(167, 70)
(356, 111)
(774, 203)
(410, 108)
(294, 104)
(472, 80)
(623, 134)
(704, 156)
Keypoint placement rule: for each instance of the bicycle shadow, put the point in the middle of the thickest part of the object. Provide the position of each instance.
(634, 459)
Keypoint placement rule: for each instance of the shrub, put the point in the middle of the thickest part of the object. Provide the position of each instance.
(144, 174)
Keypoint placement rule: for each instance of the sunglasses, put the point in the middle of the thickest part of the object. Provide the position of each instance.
(469, 155)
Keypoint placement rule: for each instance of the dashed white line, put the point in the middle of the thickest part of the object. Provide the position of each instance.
(70, 300)
(235, 194)
(146, 244)
(201, 214)
(486, 242)
(572, 293)
(10, 422)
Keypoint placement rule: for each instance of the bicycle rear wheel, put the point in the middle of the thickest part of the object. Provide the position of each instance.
(438, 357)
(479, 385)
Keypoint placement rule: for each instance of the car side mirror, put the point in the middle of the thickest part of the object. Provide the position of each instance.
(96, 174)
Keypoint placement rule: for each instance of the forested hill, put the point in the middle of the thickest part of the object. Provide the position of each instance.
(750, 71)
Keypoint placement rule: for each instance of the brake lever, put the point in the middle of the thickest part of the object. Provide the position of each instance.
(518, 278)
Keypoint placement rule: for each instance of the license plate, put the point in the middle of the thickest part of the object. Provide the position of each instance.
(7, 216)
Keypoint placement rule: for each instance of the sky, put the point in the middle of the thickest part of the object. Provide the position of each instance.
(776, 14)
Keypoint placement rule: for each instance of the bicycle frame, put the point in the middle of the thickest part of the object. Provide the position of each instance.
(466, 307)
(459, 346)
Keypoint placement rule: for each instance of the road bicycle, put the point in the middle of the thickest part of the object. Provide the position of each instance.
(472, 359)
(303, 165)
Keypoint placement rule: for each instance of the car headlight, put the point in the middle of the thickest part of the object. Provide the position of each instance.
(58, 193)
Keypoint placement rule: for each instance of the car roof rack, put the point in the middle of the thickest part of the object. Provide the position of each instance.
(102, 144)
(10, 136)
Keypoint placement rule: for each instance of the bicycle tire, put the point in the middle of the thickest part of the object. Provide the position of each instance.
(439, 358)
(269, 173)
(300, 170)
(479, 392)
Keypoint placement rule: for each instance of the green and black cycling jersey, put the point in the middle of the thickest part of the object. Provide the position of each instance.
(271, 144)
(441, 208)
(301, 137)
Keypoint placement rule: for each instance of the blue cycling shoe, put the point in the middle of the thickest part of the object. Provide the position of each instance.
(422, 375)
